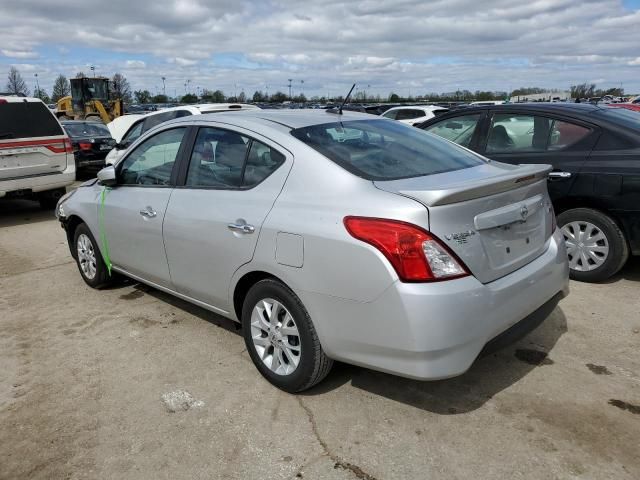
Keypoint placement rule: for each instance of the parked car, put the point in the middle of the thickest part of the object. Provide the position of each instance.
(36, 158)
(488, 102)
(330, 237)
(147, 122)
(91, 141)
(119, 126)
(414, 114)
(629, 106)
(595, 182)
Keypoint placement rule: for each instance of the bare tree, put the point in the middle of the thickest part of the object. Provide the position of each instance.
(60, 88)
(15, 83)
(120, 88)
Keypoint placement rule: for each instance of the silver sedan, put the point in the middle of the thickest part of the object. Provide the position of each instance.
(329, 236)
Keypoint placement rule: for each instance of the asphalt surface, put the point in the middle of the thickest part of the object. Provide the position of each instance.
(130, 383)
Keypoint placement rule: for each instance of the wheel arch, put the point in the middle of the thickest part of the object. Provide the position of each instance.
(70, 226)
(244, 284)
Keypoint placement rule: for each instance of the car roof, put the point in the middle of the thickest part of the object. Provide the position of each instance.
(426, 108)
(18, 99)
(538, 106)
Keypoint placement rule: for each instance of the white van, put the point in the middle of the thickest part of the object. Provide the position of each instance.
(36, 156)
(147, 122)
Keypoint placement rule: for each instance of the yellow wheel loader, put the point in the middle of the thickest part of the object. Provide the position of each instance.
(89, 100)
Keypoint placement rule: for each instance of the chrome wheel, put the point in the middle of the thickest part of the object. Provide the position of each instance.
(275, 336)
(587, 245)
(86, 256)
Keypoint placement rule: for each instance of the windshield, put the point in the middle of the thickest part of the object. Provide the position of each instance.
(621, 116)
(385, 150)
(86, 130)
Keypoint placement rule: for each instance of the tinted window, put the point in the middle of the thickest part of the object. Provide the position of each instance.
(408, 114)
(155, 120)
(458, 129)
(27, 119)
(151, 162)
(217, 159)
(391, 114)
(381, 150)
(261, 162)
(564, 134)
(134, 132)
(86, 129)
(511, 132)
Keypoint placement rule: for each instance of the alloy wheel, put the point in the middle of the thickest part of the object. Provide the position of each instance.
(587, 245)
(86, 256)
(275, 336)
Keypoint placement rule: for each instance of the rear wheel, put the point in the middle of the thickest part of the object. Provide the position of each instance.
(89, 259)
(281, 339)
(596, 246)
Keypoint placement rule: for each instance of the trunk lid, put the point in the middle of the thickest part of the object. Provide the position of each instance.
(495, 217)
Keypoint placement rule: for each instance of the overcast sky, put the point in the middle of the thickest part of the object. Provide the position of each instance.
(406, 46)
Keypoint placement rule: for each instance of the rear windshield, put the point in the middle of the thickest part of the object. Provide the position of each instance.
(620, 116)
(385, 150)
(86, 130)
(26, 120)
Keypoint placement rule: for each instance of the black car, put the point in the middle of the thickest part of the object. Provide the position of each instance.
(91, 142)
(595, 182)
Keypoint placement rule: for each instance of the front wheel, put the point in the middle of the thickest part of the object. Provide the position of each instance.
(92, 268)
(281, 338)
(596, 246)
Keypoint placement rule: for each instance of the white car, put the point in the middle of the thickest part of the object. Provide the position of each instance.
(414, 114)
(488, 102)
(146, 122)
(119, 126)
(36, 156)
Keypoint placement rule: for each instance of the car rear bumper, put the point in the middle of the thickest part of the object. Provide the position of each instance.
(40, 183)
(431, 331)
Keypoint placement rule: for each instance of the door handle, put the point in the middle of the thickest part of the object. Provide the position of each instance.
(559, 175)
(148, 212)
(241, 227)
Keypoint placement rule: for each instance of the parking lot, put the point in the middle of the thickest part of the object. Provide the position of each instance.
(83, 374)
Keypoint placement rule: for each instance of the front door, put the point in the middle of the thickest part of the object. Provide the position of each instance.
(134, 210)
(213, 221)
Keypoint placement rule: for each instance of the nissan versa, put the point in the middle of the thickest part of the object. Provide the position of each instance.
(329, 236)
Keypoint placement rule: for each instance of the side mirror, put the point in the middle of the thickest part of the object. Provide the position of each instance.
(107, 176)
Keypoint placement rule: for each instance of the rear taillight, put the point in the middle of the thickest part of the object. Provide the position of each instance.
(68, 148)
(415, 254)
(85, 146)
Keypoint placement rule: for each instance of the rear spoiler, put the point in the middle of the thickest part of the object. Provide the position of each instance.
(433, 193)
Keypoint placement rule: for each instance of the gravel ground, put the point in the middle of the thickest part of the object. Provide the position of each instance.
(130, 383)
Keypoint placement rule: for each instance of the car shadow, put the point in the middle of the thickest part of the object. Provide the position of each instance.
(488, 376)
(19, 211)
(631, 271)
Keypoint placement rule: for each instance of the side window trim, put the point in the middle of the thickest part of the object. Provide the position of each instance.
(172, 178)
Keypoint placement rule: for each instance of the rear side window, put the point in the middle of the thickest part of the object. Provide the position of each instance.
(26, 120)
(381, 150)
(408, 114)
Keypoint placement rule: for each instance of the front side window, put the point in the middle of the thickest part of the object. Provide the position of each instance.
(459, 130)
(390, 114)
(151, 162)
(381, 150)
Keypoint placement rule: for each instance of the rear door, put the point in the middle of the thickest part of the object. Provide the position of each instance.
(522, 137)
(214, 219)
(32, 142)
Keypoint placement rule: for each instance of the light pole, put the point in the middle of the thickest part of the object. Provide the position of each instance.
(164, 87)
(290, 80)
(37, 85)
(93, 69)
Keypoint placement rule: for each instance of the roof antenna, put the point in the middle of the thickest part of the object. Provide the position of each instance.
(344, 102)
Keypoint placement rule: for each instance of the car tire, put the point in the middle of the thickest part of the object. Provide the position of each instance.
(277, 340)
(89, 259)
(596, 246)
